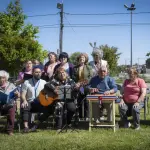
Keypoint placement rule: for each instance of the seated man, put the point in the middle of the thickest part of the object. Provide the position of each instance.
(7, 108)
(29, 96)
(102, 83)
(62, 79)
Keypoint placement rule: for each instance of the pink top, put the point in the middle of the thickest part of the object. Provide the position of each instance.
(21, 74)
(50, 69)
(132, 91)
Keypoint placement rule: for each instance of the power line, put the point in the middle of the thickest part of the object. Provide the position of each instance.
(90, 14)
(87, 14)
(92, 25)
(44, 15)
(69, 23)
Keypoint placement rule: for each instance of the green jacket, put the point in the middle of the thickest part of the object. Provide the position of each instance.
(87, 72)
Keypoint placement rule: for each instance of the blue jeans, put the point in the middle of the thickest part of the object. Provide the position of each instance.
(128, 110)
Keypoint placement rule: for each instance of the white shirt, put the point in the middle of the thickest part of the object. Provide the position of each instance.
(33, 88)
(95, 68)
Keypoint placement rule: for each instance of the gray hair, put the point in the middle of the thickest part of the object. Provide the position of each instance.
(5, 74)
(97, 51)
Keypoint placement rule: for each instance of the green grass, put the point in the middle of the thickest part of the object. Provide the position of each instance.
(122, 139)
(97, 139)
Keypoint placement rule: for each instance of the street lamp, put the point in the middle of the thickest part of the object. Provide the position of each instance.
(132, 8)
(60, 6)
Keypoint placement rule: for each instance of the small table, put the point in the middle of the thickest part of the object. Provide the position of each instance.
(104, 99)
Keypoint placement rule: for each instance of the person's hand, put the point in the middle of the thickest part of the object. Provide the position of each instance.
(77, 85)
(121, 104)
(17, 94)
(93, 90)
(107, 93)
(24, 104)
(136, 105)
(56, 90)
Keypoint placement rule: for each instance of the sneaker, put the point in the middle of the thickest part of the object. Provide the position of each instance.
(34, 128)
(86, 119)
(97, 121)
(102, 118)
(127, 125)
(58, 131)
(137, 128)
(26, 130)
(10, 133)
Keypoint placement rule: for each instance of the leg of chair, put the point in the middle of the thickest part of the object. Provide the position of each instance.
(145, 108)
(90, 116)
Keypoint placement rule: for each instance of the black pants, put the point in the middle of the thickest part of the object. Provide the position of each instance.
(64, 113)
(35, 107)
(83, 101)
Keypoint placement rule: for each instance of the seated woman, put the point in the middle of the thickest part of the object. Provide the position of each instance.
(82, 74)
(62, 79)
(134, 91)
(64, 63)
(6, 109)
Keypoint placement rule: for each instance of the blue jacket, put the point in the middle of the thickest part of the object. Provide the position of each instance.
(103, 84)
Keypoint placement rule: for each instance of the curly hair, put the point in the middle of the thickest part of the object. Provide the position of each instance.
(53, 53)
(85, 55)
(5, 74)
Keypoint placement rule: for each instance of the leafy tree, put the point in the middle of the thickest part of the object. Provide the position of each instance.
(111, 55)
(17, 41)
(73, 58)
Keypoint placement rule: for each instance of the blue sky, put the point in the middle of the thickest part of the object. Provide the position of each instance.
(78, 38)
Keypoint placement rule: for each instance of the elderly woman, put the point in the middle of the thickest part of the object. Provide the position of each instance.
(50, 65)
(82, 74)
(134, 91)
(98, 62)
(5, 88)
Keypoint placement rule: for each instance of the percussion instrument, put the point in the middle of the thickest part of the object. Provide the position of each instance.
(110, 99)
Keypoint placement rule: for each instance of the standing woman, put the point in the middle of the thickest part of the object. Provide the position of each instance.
(82, 74)
(26, 70)
(97, 62)
(50, 65)
(64, 63)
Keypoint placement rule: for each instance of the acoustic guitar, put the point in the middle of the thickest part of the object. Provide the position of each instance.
(46, 98)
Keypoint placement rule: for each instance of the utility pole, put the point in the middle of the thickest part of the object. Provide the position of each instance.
(60, 6)
(131, 8)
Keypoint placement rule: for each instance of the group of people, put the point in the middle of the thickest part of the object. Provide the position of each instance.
(83, 78)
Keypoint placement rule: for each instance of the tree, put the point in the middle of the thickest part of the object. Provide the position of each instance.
(73, 58)
(111, 55)
(18, 42)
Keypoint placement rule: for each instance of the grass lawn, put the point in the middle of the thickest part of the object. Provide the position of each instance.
(122, 139)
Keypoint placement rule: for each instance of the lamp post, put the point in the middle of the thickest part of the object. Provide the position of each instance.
(60, 6)
(131, 8)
